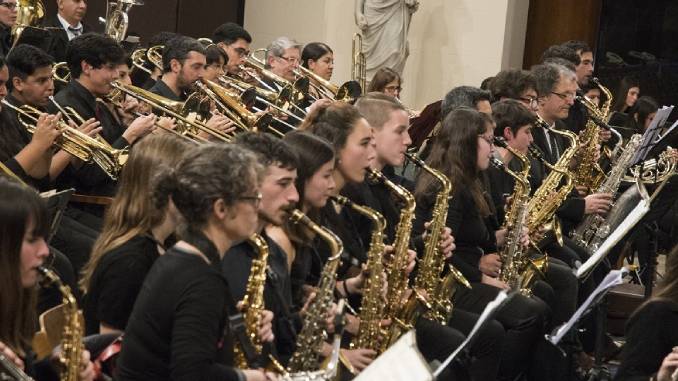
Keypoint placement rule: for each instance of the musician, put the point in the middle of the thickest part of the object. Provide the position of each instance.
(93, 61)
(477, 233)
(30, 73)
(585, 67)
(514, 122)
(66, 25)
(136, 229)
(8, 15)
(318, 57)
(651, 341)
(283, 56)
(235, 41)
(389, 121)
(626, 95)
(386, 81)
(24, 227)
(215, 63)
(178, 327)
(143, 79)
(278, 195)
(515, 84)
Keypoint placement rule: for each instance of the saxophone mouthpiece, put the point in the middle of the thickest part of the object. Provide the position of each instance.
(496, 163)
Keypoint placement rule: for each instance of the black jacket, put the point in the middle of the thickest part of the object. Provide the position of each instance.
(57, 47)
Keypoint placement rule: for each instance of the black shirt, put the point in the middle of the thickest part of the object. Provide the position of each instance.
(236, 268)
(161, 88)
(651, 334)
(177, 324)
(116, 282)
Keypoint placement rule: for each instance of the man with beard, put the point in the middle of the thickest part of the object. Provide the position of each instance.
(183, 61)
(278, 194)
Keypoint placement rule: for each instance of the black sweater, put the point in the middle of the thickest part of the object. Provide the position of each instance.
(177, 326)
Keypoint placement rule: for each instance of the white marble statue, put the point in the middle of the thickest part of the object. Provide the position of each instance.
(385, 25)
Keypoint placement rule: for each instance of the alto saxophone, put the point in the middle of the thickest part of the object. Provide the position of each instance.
(438, 292)
(550, 195)
(592, 230)
(313, 332)
(253, 302)
(71, 338)
(370, 334)
(396, 274)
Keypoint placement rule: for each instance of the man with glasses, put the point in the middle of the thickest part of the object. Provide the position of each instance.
(283, 56)
(8, 16)
(66, 25)
(515, 84)
(235, 41)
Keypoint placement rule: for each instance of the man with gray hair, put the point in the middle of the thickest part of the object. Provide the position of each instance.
(283, 56)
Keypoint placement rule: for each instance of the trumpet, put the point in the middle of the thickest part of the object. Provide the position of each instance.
(139, 59)
(154, 55)
(177, 110)
(61, 73)
(76, 143)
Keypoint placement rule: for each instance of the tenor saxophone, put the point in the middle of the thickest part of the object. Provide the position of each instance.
(71, 338)
(370, 334)
(313, 332)
(437, 292)
(253, 302)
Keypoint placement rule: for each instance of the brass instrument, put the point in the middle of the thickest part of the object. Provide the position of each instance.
(61, 73)
(592, 230)
(73, 329)
(348, 92)
(370, 333)
(439, 292)
(139, 58)
(313, 333)
(10, 372)
(154, 56)
(117, 18)
(550, 195)
(29, 13)
(230, 104)
(359, 64)
(655, 170)
(76, 143)
(177, 110)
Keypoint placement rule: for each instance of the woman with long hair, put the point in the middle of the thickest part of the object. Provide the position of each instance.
(651, 348)
(136, 227)
(462, 152)
(178, 328)
(24, 226)
(627, 94)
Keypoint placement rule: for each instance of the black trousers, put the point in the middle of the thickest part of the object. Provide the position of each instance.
(75, 238)
(524, 319)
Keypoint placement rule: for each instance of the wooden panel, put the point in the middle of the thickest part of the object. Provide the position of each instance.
(552, 22)
(196, 18)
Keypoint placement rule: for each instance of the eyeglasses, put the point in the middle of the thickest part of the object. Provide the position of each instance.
(529, 101)
(393, 89)
(489, 140)
(242, 52)
(255, 200)
(10, 6)
(565, 96)
(290, 60)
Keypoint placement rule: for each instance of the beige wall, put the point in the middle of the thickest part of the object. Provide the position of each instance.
(452, 42)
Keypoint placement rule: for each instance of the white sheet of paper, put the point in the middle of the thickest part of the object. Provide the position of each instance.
(401, 362)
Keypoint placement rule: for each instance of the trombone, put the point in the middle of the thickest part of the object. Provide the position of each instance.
(229, 104)
(76, 143)
(176, 110)
(359, 67)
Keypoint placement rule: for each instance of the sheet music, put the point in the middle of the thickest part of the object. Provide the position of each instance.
(401, 362)
(487, 313)
(651, 135)
(629, 222)
(613, 278)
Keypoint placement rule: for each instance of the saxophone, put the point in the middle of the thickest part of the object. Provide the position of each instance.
(550, 195)
(10, 372)
(313, 333)
(439, 292)
(592, 230)
(370, 334)
(253, 302)
(396, 275)
(71, 340)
